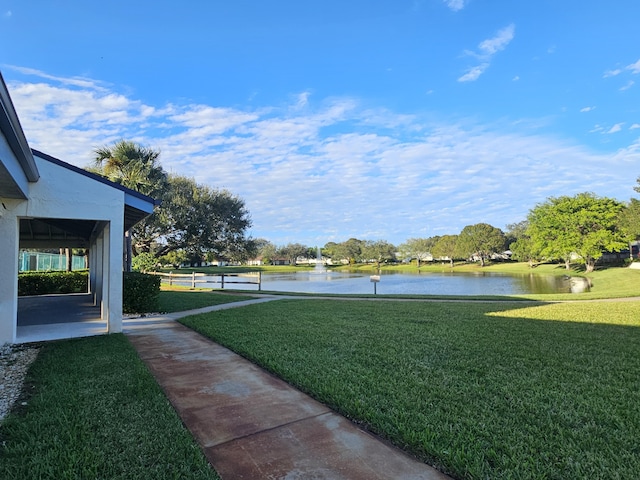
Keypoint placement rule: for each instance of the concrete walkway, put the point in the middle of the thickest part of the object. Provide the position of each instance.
(252, 425)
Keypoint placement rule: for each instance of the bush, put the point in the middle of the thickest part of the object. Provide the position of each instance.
(144, 262)
(42, 283)
(140, 292)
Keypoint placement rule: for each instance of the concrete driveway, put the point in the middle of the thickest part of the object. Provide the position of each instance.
(53, 317)
(49, 309)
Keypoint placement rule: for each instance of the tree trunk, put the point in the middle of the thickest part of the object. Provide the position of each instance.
(68, 252)
(590, 265)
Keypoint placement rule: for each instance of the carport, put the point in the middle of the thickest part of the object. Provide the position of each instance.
(48, 203)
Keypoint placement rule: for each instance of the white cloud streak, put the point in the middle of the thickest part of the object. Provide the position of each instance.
(616, 128)
(627, 85)
(486, 50)
(327, 170)
(455, 5)
(634, 67)
(612, 73)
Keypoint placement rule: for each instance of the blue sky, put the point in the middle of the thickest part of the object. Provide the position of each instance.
(377, 119)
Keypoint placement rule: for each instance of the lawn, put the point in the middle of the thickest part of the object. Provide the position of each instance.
(95, 411)
(179, 300)
(480, 390)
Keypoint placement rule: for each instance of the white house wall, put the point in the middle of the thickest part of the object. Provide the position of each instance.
(62, 193)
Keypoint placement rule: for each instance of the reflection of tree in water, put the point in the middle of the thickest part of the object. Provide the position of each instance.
(554, 284)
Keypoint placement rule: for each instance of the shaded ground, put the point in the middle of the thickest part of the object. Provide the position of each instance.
(50, 309)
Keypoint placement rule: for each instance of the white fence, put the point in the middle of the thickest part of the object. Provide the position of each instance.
(194, 279)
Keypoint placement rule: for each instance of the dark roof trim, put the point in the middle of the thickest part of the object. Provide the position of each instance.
(12, 130)
(96, 177)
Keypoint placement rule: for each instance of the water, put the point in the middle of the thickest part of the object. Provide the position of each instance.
(327, 281)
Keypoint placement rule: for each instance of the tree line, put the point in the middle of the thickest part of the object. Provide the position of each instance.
(579, 228)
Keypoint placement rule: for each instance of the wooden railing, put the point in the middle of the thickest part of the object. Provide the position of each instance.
(195, 278)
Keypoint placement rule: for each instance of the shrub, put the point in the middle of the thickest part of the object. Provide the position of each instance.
(140, 292)
(144, 262)
(42, 283)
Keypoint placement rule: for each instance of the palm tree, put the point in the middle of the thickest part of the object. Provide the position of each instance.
(135, 167)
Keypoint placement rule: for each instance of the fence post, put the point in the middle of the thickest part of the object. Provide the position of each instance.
(222, 280)
(259, 281)
(170, 279)
(193, 280)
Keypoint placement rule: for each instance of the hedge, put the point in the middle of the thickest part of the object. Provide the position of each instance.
(42, 283)
(140, 293)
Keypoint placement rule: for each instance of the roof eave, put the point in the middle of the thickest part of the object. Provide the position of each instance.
(12, 130)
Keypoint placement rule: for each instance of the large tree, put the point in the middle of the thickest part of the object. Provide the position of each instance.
(445, 247)
(136, 167)
(584, 225)
(351, 250)
(630, 219)
(480, 240)
(266, 250)
(199, 220)
(519, 242)
(292, 251)
(379, 251)
(418, 248)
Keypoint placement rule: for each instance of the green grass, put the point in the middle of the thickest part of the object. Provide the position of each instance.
(480, 390)
(180, 300)
(96, 413)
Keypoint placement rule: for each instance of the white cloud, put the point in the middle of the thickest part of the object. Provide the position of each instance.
(7, 14)
(612, 73)
(516, 78)
(486, 50)
(455, 5)
(74, 81)
(616, 128)
(627, 85)
(634, 67)
(634, 126)
(474, 73)
(333, 169)
(587, 109)
(499, 42)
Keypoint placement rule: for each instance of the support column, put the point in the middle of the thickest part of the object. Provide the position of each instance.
(9, 246)
(98, 269)
(93, 266)
(112, 300)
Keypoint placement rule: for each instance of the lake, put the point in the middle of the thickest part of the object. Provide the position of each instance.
(480, 283)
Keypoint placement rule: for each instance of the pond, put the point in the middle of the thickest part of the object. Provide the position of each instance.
(480, 283)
